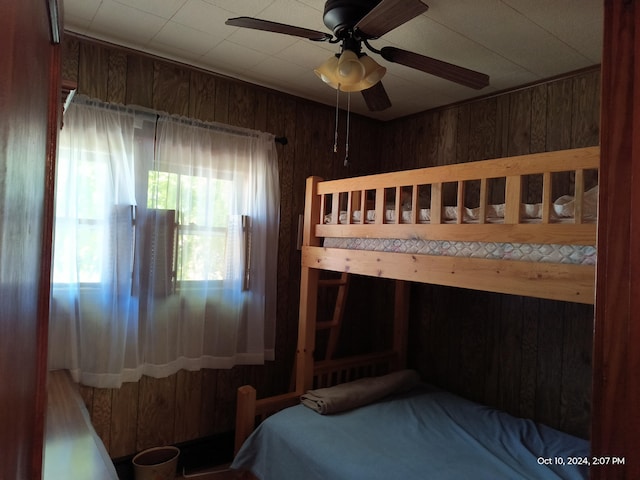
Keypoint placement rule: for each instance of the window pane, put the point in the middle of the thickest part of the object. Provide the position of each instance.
(193, 200)
(201, 256)
(221, 197)
(162, 191)
(84, 263)
(90, 253)
(92, 192)
(82, 215)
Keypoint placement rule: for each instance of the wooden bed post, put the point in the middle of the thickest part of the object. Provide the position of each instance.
(245, 414)
(308, 292)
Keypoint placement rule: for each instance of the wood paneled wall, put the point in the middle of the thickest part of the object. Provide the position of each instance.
(530, 357)
(190, 405)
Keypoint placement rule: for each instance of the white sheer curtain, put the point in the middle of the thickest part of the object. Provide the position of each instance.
(165, 246)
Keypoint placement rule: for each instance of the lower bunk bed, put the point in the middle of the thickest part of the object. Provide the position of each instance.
(417, 433)
(541, 244)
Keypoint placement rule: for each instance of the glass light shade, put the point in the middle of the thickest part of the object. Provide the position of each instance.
(327, 71)
(350, 70)
(365, 68)
(373, 74)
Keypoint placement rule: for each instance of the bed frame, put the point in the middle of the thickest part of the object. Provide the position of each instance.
(566, 282)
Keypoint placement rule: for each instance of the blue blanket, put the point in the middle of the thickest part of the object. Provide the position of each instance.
(423, 434)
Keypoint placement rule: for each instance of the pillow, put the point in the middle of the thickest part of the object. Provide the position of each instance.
(359, 392)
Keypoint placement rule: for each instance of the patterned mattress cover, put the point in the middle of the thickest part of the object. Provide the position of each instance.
(550, 253)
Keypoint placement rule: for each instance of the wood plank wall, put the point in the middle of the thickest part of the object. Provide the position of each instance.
(530, 357)
(190, 405)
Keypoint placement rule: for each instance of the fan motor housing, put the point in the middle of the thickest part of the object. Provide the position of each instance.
(341, 15)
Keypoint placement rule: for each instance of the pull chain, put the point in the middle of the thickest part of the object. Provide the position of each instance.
(346, 147)
(335, 140)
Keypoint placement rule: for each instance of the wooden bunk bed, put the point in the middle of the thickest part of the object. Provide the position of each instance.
(403, 209)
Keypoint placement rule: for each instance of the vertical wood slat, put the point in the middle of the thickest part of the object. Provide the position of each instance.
(415, 205)
(460, 203)
(350, 196)
(546, 197)
(380, 204)
(513, 194)
(436, 203)
(323, 213)
(335, 208)
(398, 205)
(484, 198)
(578, 196)
(363, 207)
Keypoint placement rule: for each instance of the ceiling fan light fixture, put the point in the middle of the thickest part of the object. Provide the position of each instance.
(350, 69)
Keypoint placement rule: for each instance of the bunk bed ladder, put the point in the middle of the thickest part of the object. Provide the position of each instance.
(333, 325)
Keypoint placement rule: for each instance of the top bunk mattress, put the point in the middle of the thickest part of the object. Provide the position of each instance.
(425, 433)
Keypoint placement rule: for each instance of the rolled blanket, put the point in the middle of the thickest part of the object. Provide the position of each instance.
(359, 392)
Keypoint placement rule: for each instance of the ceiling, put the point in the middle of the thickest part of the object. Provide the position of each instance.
(515, 42)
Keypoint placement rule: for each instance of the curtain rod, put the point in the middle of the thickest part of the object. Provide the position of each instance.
(84, 100)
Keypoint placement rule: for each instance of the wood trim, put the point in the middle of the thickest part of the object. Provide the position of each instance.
(566, 233)
(616, 360)
(48, 220)
(571, 283)
(558, 161)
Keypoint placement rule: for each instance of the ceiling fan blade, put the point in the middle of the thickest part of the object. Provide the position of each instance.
(389, 14)
(376, 98)
(267, 26)
(448, 71)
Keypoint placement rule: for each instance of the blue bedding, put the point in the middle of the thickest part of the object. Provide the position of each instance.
(422, 434)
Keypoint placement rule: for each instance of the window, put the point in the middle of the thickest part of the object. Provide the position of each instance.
(202, 205)
(150, 249)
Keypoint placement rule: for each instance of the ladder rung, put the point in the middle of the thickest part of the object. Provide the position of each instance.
(326, 324)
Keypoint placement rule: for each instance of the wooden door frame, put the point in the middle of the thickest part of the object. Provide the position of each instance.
(616, 360)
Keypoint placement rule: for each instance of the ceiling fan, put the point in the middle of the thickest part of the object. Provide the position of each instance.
(353, 23)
